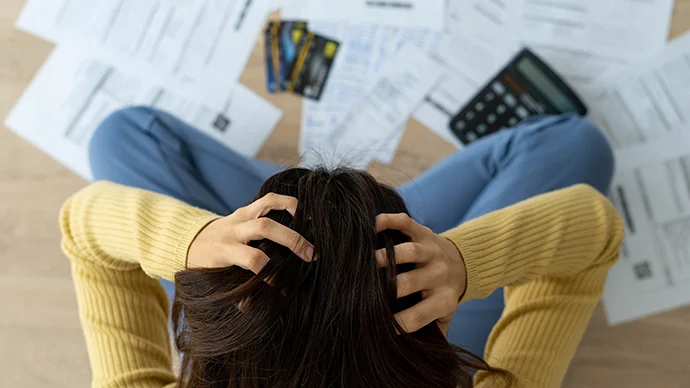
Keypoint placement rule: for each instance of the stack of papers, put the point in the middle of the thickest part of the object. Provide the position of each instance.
(397, 60)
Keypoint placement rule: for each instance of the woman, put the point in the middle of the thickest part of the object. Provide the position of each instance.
(551, 252)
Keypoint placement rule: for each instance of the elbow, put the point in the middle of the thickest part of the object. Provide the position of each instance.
(610, 223)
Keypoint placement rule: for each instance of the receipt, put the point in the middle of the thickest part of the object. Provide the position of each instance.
(651, 190)
(401, 13)
(198, 48)
(620, 27)
(72, 94)
(400, 88)
(475, 44)
(646, 100)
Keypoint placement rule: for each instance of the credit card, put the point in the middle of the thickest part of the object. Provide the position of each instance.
(272, 51)
(290, 34)
(310, 69)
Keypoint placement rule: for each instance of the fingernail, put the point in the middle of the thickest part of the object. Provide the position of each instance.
(309, 253)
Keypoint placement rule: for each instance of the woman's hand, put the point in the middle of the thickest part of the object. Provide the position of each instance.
(223, 242)
(440, 274)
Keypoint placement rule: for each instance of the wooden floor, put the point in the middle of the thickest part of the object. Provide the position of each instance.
(40, 338)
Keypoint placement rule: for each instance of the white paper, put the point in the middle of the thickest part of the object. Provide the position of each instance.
(400, 13)
(364, 49)
(652, 192)
(613, 27)
(72, 94)
(581, 39)
(387, 106)
(647, 100)
(476, 44)
(199, 48)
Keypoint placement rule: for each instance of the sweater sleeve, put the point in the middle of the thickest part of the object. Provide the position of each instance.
(119, 240)
(552, 254)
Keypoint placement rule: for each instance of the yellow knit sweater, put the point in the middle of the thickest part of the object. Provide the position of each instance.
(552, 253)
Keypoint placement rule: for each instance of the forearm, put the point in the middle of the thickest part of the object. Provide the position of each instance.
(126, 228)
(558, 234)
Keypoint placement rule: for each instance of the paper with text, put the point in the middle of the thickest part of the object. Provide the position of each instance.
(651, 190)
(199, 48)
(622, 28)
(647, 100)
(400, 13)
(581, 39)
(475, 45)
(387, 106)
(364, 49)
(72, 94)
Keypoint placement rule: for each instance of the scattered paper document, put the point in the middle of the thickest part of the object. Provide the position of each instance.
(581, 39)
(72, 94)
(387, 106)
(621, 27)
(647, 100)
(365, 48)
(652, 192)
(475, 45)
(400, 13)
(198, 48)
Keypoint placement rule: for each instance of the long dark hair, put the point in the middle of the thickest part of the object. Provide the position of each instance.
(323, 324)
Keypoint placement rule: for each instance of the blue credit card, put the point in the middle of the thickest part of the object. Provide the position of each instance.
(290, 35)
(272, 56)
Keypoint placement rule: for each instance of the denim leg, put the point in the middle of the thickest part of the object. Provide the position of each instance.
(149, 149)
(540, 155)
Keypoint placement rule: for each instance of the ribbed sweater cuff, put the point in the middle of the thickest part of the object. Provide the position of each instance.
(462, 238)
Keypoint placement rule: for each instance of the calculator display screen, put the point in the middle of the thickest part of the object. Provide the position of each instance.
(536, 76)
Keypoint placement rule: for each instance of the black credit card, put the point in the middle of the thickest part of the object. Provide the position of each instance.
(312, 65)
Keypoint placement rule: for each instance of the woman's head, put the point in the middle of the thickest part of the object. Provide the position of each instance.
(329, 323)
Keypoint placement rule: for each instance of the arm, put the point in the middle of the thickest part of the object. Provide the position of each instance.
(118, 239)
(552, 253)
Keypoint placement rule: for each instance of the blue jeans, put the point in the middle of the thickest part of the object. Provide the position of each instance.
(149, 149)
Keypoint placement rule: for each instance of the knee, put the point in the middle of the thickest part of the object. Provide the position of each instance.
(571, 145)
(113, 142)
(589, 144)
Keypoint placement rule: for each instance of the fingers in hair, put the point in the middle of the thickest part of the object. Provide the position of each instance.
(401, 222)
(419, 315)
(404, 253)
(249, 258)
(268, 202)
(266, 228)
(414, 281)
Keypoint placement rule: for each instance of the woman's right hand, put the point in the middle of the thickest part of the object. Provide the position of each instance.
(440, 273)
(224, 242)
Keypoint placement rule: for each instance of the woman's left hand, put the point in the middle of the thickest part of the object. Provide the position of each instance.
(440, 274)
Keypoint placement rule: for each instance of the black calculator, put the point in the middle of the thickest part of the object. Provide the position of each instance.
(525, 87)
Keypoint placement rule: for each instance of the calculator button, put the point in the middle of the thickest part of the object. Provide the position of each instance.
(491, 118)
(479, 106)
(471, 136)
(501, 109)
(469, 116)
(498, 87)
(460, 125)
(489, 96)
(481, 128)
(522, 111)
(512, 121)
(510, 100)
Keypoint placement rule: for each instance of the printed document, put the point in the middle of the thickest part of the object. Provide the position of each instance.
(646, 100)
(199, 48)
(475, 45)
(643, 110)
(399, 13)
(582, 38)
(652, 193)
(72, 94)
(386, 107)
(364, 50)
